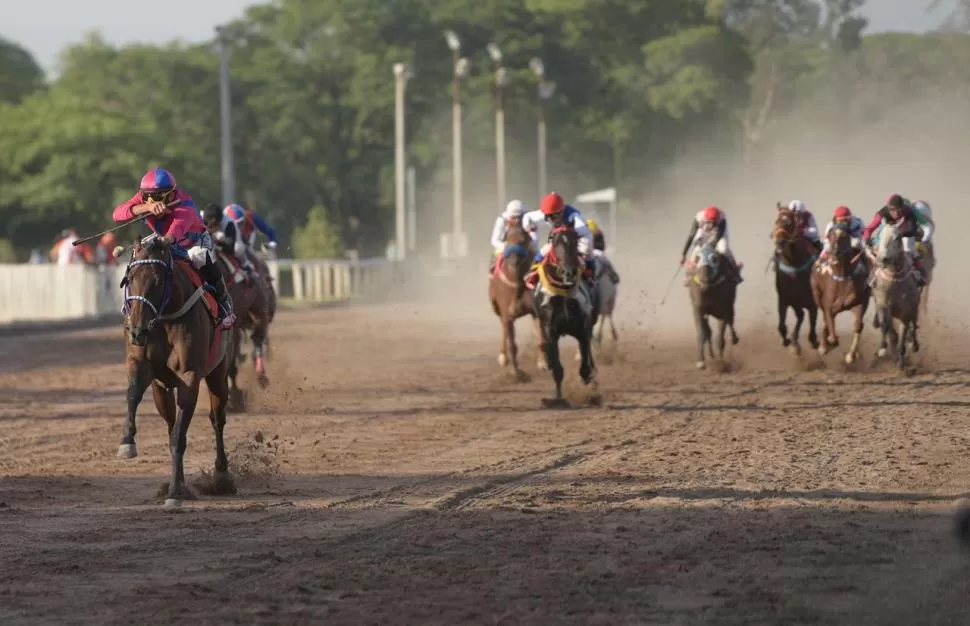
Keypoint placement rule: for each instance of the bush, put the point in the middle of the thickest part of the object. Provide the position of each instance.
(317, 239)
(7, 252)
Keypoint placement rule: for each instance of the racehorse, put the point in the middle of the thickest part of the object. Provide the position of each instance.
(840, 284)
(564, 306)
(897, 294)
(928, 253)
(509, 297)
(713, 292)
(606, 280)
(172, 343)
(794, 256)
(252, 313)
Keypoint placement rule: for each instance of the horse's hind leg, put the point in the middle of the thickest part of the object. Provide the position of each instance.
(613, 332)
(542, 358)
(139, 378)
(503, 351)
(185, 402)
(218, 384)
(511, 347)
(721, 342)
(703, 332)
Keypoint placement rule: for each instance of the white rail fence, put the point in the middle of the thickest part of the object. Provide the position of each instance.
(52, 293)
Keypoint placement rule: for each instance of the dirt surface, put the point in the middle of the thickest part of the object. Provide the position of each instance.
(392, 474)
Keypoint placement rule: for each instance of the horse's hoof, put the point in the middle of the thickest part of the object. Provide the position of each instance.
(882, 352)
(127, 451)
(786, 342)
(264, 381)
(700, 365)
(823, 350)
(795, 349)
(503, 360)
(849, 359)
(172, 504)
(542, 365)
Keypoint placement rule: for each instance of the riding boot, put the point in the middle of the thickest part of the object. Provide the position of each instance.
(214, 277)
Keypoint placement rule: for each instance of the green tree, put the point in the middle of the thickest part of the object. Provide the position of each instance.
(20, 74)
(317, 238)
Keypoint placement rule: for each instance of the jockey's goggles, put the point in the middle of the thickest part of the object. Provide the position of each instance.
(157, 196)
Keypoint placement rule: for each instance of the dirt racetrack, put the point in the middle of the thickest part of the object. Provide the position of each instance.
(392, 474)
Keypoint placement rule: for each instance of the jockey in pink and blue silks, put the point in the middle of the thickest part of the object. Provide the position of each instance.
(172, 215)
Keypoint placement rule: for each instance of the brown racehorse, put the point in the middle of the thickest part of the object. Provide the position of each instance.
(510, 299)
(252, 313)
(841, 283)
(172, 343)
(794, 256)
(713, 292)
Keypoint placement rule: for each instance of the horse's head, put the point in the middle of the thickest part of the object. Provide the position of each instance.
(148, 287)
(889, 250)
(519, 249)
(705, 263)
(564, 254)
(786, 230)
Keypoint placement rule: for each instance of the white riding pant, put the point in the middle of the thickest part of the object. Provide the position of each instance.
(722, 246)
(202, 254)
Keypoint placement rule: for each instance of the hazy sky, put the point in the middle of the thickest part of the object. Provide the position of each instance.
(46, 26)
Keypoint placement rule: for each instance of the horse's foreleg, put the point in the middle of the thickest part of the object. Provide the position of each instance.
(613, 332)
(721, 342)
(799, 320)
(511, 347)
(218, 384)
(828, 332)
(700, 325)
(139, 377)
(885, 328)
(542, 358)
(503, 355)
(552, 358)
(782, 325)
(187, 398)
(812, 323)
(258, 337)
(587, 369)
(901, 346)
(858, 313)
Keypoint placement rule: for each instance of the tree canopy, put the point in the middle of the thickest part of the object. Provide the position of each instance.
(312, 92)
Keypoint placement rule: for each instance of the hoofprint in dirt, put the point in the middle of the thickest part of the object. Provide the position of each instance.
(388, 478)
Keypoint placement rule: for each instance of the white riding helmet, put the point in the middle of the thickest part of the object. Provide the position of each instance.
(797, 205)
(515, 208)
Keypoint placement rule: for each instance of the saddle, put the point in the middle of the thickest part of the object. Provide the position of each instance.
(186, 267)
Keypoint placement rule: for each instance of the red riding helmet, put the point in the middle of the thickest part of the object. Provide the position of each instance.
(842, 212)
(711, 214)
(552, 204)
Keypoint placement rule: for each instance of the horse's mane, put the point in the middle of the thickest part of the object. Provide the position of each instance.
(887, 236)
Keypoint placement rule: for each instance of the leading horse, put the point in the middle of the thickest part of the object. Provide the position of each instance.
(510, 299)
(172, 344)
(713, 292)
(794, 256)
(896, 292)
(841, 283)
(564, 306)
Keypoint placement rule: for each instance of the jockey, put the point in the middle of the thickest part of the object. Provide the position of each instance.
(924, 217)
(809, 227)
(599, 246)
(899, 212)
(599, 241)
(555, 211)
(171, 214)
(843, 215)
(511, 216)
(712, 222)
(247, 223)
(227, 237)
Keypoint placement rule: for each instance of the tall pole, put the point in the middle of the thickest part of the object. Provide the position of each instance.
(546, 89)
(400, 83)
(412, 203)
(501, 79)
(459, 69)
(225, 117)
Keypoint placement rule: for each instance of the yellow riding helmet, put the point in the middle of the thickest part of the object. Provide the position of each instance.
(592, 225)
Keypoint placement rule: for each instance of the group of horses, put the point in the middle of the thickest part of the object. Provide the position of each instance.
(173, 343)
(854, 273)
(564, 302)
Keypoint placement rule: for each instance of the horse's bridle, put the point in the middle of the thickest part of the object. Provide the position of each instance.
(166, 294)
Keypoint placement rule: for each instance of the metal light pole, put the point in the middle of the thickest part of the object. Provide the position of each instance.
(401, 76)
(225, 115)
(501, 80)
(459, 69)
(545, 91)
